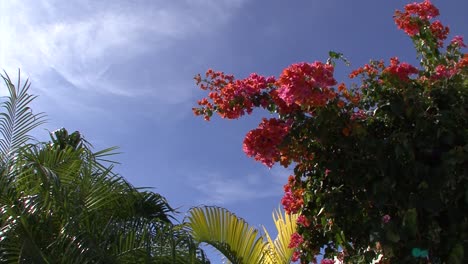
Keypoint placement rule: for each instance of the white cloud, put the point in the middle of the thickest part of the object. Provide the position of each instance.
(80, 40)
(220, 189)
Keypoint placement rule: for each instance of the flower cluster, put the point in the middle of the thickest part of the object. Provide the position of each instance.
(463, 63)
(263, 143)
(307, 84)
(282, 107)
(292, 200)
(296, 256)
(458, 41)
(230, 98)
(443, 72)
(359, 115)
(439, 32)
(400, 70)
(303, 221)
(369, 69)
(411, 19)
(296, 240)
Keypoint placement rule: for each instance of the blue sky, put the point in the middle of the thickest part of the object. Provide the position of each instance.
(121, 73)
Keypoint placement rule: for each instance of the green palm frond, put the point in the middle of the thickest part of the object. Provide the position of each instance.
(152, 206)
(239, 242)
(60, 202)
(17, 119)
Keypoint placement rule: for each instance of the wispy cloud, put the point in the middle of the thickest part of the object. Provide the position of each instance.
(84, 41)
(219, 188)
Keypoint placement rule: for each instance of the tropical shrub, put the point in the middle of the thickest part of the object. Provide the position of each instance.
(380, 167)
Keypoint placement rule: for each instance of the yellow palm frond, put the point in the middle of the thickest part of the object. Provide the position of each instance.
(239, 242)
(231, 235)
(286, 226)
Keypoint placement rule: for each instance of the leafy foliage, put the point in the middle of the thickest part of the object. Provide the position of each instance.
(60, 202)
(17, 119)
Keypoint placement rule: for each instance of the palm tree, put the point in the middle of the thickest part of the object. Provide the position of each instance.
(239, 242)
(60, 202)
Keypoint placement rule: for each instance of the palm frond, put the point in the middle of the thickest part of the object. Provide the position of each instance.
(17, 120)
(232, 236)
(151, 205)
(286, 226)
(239, 242)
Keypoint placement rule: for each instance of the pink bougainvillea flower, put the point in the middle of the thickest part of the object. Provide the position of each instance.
(409, 20)
(230, 98)
(443, 72)
(296, 255)
(359, 115)
(303, 221)
(296, 240)
(400, 70)
(292, 200)
(327, 261)
(283, 107)
(424, 10)
(386, 219)
(263, 142)
(458, 41)
(463, 63)
(440, 32)
(406, 23)
(307, 84)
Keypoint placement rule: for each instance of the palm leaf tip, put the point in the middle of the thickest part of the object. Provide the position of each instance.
(286, 225)
(17, 119)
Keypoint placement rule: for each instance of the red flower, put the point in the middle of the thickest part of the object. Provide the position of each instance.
(443, 72)
(439, 31)
(424, 10)
(410, 20)
(369, 69)
(386, 219)
(230, 98)
(307, 84)
(463, 63)
(296, 255)
(302, 220)
(296, 240)
(359, 115)
(400, 70)
(292, 200)
(406, 23)
(283, 107)
(263, 142)
(327, 261)
(458, 41)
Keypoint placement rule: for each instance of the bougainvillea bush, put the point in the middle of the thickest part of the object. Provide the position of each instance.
(380, 166)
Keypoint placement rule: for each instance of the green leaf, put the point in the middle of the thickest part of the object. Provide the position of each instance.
(392, 235)
(410, 222)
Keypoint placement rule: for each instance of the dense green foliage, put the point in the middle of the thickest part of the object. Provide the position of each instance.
(60, 202)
